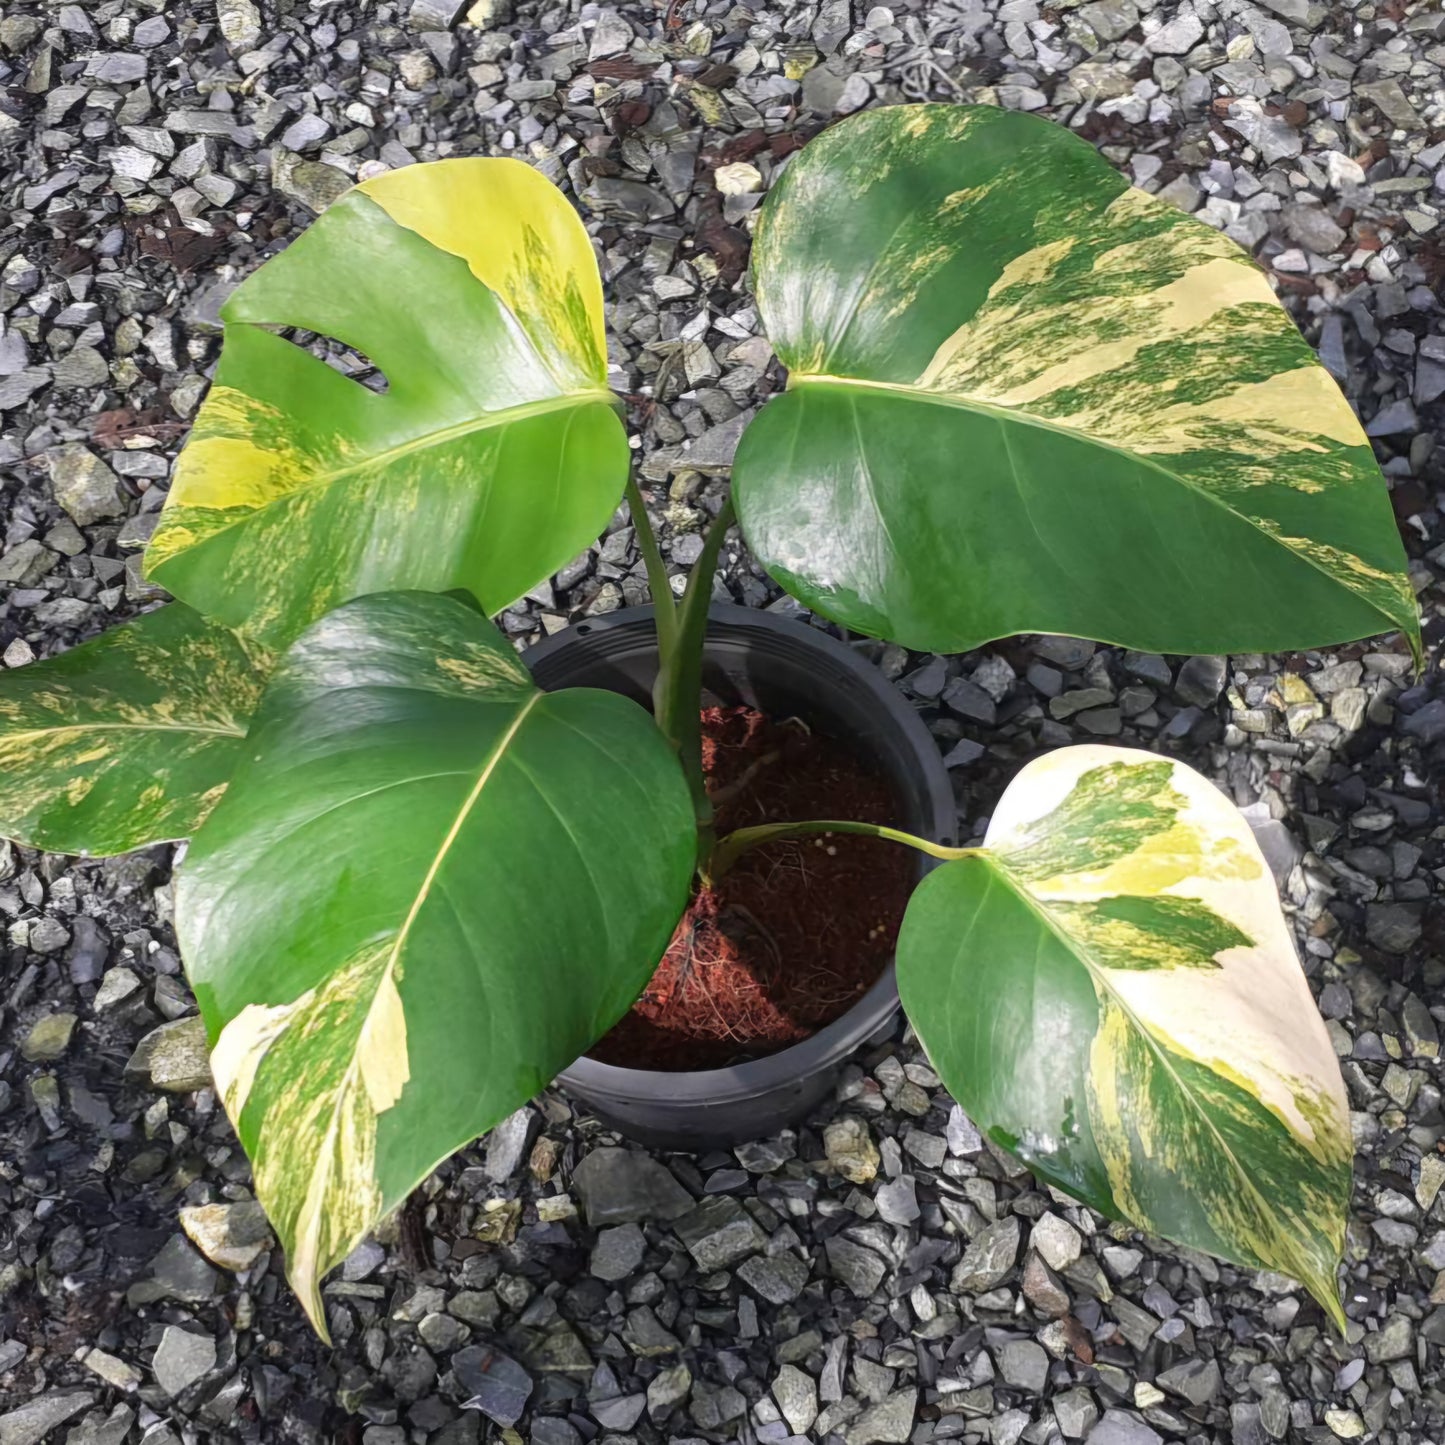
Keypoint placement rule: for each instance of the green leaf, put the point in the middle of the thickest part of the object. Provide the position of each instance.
(429, 888)
(127, 740)
(492, 459)
(1109, 989)
(1024, 397)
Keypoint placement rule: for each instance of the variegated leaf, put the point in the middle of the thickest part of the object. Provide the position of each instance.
(495, 454)
(1024, 397)
(128, 739)
(429, 888)
(1110, 990)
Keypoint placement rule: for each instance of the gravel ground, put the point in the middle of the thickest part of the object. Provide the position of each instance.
(879, 1275)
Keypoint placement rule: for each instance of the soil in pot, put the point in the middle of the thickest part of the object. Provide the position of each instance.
(798, 931)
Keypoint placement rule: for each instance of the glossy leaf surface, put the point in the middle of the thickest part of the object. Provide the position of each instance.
(430, 887)
(1111, 992)
(494, 455)
(126, 740)
(1025, 397)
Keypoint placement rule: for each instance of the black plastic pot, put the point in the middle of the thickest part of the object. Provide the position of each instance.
(786, 669)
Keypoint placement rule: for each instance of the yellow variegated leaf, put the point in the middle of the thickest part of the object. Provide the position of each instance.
(412, 909)
(128, 739)
(495, 453)
(1110, 989)
(522, 241)
(1025, 397)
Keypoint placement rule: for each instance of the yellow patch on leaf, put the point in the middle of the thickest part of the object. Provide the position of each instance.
(521, 240)
(320, 1069)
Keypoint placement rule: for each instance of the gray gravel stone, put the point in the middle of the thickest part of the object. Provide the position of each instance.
(508, 1143)
(32, 1422)
(1110, 19)
(715, 1409)
(181, 1273)
(1056, 1240)
(1200, 680)
(1075, 1413)
(777, 1278)
(174, 1056)
(625, 1186)
(620, 1413)
(897, 1201)
(667, 1391)
(181, 1359)
(618, 1252)
(970, 701)
(495, 1384)
(1314, 228)
(1197, 1381)
(85, 486)
(719, 1233)
(854, 1265)
(233, 1236)
(1121, 1427)
(797, 1397)
(890, 1421)
(989, 1258)
(1023, 1364)
(1176, 36)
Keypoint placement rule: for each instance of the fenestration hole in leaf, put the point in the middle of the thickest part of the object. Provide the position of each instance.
(338, 356)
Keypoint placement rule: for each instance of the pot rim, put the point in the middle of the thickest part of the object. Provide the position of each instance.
(854, 1027)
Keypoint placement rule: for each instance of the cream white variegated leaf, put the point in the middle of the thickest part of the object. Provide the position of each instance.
(359, 917)
(1110, 989)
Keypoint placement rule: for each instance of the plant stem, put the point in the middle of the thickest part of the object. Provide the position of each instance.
(677, 693)
(730, 849)
(663, 603)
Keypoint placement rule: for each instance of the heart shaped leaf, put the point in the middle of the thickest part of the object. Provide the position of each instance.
(429, 888)
(1109, 989)
(126, 740)
(1024, 397)
(494, 455)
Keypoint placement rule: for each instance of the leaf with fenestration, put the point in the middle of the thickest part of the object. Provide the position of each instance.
(1025, 397)
(1110, 990)
(429, 888)
(494, 455)
(126, 740)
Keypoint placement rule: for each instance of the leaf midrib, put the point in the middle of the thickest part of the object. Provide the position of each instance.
(88, 727)
(426, 441)
(1005, 415)
(1078, 949)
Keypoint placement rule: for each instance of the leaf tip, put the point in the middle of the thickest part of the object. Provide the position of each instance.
(307, 1287)
(1326, 1292)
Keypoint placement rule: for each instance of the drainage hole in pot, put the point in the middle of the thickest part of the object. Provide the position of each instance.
(799, 930)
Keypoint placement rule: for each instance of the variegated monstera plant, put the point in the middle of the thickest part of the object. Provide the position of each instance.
(1021, 396)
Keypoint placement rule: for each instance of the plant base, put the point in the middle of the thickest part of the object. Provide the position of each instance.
(783, 669)
(798, 931)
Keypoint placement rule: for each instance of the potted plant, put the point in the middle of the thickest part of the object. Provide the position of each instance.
(1021, 396)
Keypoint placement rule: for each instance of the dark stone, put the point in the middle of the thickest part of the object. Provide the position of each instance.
(1428, 724)
(498, 1386)
(1201, 680)
(624, 1186)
